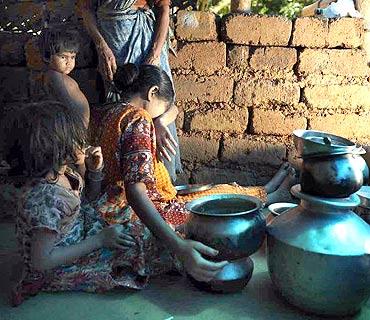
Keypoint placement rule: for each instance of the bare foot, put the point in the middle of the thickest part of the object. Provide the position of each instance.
(278, 178)
(282, 194)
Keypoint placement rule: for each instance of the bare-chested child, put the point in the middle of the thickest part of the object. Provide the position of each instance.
(60, 47)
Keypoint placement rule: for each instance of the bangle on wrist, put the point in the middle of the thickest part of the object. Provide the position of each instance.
(95, 176)
(98, 170)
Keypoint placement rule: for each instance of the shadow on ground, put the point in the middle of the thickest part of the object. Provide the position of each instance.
(168, 297)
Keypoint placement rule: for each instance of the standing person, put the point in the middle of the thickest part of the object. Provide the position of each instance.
(128, 31)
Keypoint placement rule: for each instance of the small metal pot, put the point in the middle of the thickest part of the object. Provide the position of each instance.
(230, 223)
(336, 176)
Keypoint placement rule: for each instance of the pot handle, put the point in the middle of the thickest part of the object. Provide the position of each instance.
(358, 150)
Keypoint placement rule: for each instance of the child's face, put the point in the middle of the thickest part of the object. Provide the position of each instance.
(63, 62)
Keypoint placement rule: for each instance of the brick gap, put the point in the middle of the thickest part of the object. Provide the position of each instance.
(250, 120)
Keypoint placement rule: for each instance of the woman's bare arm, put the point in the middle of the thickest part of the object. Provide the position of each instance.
(161, 33)
(107, 60)
(145, 209)
(166, 143)
(187, 250)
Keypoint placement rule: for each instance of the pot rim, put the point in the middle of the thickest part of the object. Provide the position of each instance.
(190, 205)
(349, 202)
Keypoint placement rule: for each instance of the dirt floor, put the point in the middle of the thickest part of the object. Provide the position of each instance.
(166, 298)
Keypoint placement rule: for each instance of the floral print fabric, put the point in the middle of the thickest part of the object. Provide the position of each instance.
(59, 210)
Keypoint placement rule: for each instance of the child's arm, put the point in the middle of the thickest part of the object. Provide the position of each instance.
(94, 174)
(107, 60)
(165, 140)
(45, 256)
(161, 33)
(190, 252)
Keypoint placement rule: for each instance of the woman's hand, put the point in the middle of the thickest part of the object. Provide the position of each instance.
(114, 237)
(195, 265)
(166, 143)
(153, 59)
(107, 62)
(94, 158)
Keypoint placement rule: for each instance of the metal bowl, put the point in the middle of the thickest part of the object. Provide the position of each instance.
(232, 278)
(364, 194)
(311, 143)
(279, 208)
(192, 188)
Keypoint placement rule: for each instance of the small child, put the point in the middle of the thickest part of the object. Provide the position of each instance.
(60, 47)
(63, 248)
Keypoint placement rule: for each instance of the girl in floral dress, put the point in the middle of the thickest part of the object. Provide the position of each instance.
(64, 245)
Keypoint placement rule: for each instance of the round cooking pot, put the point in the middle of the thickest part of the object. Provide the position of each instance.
(230, 223)
(232, 278)
(336, 176)
(318, 255)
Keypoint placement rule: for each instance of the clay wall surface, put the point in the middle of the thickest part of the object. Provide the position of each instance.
(243, 84)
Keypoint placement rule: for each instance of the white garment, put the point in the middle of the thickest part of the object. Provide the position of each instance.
(341, 8)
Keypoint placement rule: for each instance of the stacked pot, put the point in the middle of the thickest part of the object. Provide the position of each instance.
(319, 252)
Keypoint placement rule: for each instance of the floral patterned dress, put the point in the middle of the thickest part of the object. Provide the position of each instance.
(57, 209)
(128, 143)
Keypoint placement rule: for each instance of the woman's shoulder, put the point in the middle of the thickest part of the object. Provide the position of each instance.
(134, 116)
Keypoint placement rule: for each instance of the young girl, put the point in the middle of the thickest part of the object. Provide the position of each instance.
(64, 248)
(139, 183)
(60, 47)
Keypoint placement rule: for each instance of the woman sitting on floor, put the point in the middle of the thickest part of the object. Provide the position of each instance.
(139, 190)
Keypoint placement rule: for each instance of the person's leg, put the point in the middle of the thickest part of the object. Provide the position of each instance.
(278, 178)
(282, 193)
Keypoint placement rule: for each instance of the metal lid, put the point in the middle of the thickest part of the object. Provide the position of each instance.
(311, 143)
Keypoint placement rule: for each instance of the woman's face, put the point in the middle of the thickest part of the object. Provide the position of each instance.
(156, 106)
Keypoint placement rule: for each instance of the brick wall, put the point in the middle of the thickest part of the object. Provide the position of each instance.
(243, 83)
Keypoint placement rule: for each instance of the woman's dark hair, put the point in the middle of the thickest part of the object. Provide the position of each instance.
(59, 39)
(132, 80)
(48, 134)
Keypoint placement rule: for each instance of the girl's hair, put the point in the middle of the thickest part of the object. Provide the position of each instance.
(48, 134)
(131, 80)
(59, 39)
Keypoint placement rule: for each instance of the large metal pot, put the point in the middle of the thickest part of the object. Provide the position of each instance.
(231, 223)
(335, 176)
(318, 255)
